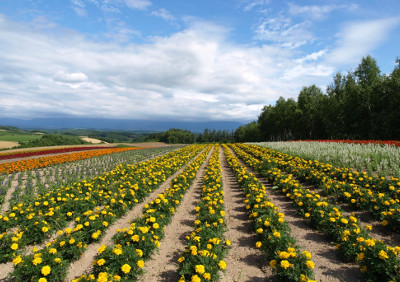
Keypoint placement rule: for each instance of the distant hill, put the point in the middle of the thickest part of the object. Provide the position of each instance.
(117, 124)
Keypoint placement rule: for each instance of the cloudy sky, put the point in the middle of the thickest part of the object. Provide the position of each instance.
(181, 60)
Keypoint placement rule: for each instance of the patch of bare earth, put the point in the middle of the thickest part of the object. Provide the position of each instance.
(328, 266)
(8, 144)
(84, 264)
(6, 203)
(244, 261)
(163, 265)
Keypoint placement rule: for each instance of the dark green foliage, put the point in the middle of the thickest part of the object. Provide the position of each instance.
(53, 140)
(363, 104)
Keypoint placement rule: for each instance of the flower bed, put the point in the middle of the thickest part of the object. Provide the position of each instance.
(132, 247)
(91, 205)
(206, 247)
(25, 154)
(11, 167)
(358, 190)
(377, 260)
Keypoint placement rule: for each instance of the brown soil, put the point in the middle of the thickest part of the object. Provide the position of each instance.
(163, 265)
(6, 203)
(244, 261)
(7, 144)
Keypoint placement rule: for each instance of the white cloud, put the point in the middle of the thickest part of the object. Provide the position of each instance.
(312, 57)
(250, 4)
(357, 39)
(317, 12)
(138, 4)
(75, 77)
(193, 74)
(281, 30)
(163, 13)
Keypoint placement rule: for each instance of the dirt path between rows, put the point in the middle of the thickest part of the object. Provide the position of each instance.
(6, 204)
(84, 264)
(328, 267)
(163, 265)
(244, 262)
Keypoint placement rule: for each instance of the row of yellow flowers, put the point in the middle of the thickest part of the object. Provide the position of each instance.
(275, 239)
(35, 163)
(206, 247)
(357, 189)
(377, 260)
(91, 205)
(131, 247)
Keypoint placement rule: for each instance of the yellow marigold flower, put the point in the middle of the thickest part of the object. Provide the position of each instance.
(310, 264)
(17, 260)
(272, 263)
(385, 222)
(101, 249)
(155, 225)
(277, 234)
(181, 259)
(140, 263)
(116, 277)
(57, 260)
(370, 242)
(360, 256)
(14, 246)
(37, 260)
(196, 278)
(45, 229)
(307, 254)
(135, 238)
(259, 231)
(200, 269)
(258, 244)
(52, 251)
(307, 215)
(284, 255)
(227, 242)
(71, 241)
(369, 227)
(285, 264)
(117, 251)
(222, 264)
(207, 276)
(42, 279)
(46, 270)
(343, 220)
(383, 255)
(139, 252)
(100, 262)
(126, 268)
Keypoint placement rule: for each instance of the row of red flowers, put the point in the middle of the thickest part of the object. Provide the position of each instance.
(24, 154)
(379, 142)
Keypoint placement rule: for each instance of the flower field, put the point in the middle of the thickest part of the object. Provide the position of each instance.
(25, 154)
(127, 204)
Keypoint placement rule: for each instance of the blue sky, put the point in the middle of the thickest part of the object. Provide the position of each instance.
(181, 60)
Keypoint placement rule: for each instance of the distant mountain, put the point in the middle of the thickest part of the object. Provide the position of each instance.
(117, 124)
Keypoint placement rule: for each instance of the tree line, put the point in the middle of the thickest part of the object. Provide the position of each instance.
(181, 136)
(362, 104)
